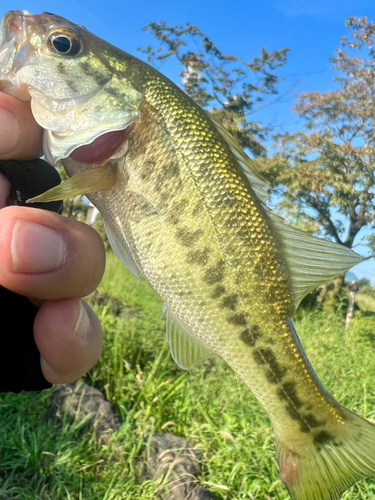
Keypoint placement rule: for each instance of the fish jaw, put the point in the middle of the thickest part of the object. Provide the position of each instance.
(15, 52)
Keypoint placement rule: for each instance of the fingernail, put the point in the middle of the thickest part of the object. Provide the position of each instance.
(10, 132)
(36, 249)
(83, 327)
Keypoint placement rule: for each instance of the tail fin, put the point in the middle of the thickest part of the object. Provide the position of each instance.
(330, 462)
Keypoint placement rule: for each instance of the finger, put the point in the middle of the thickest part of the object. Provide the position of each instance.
(69, 338)
(5, 190)
(21, 137)
(46, 256)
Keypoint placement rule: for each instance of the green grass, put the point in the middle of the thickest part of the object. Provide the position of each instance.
(365, 302)
(209, 406)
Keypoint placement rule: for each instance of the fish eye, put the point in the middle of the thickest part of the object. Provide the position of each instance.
(65, 43)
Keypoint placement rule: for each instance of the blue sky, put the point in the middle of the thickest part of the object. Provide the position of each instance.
(311, 29)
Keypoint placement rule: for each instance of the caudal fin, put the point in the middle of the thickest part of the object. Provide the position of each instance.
(330, 461)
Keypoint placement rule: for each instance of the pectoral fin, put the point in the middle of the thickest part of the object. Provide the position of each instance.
(86, 181)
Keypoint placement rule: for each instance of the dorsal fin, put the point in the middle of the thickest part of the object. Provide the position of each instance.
(311, 261)
(258, 184)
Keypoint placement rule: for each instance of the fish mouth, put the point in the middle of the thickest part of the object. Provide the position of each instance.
(15, 51)
(102, 148)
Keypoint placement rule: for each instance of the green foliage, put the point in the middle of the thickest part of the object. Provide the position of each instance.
(370, 238)
(329, 167)
(209, 405)
(364, 326)
(228, 87)
(363, 283)
(368, 290)
(366, 300)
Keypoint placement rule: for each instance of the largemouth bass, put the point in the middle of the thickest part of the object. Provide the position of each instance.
(185, 207)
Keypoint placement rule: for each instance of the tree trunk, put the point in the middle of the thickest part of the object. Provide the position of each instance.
(330, 292)
(353, 287)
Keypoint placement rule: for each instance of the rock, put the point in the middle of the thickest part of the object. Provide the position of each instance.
(173, 460)
(79, 400)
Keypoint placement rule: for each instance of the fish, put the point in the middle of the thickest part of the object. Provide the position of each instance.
(186, 208)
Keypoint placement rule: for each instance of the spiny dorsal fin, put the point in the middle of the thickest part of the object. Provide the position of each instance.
(259, 185)
(186, 350)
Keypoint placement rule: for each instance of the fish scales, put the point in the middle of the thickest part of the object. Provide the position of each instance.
(183, 205)
(164, 249)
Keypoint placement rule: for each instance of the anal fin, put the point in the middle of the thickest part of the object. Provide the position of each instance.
(186, 350)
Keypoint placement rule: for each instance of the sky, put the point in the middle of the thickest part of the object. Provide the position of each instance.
(310, 29)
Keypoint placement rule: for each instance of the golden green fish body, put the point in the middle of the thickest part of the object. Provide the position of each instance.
(204, 242)
(180, 207)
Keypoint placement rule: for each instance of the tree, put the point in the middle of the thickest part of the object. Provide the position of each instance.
(363, 283)
(230, 89)
(327, 170)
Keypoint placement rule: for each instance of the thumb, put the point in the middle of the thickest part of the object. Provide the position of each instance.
(21, 136)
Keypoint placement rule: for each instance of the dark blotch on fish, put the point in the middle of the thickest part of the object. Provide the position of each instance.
(251, 335)
(170, 173)
(147, 169)
(214, 274)
(188, 237)
(176, 211)
(307, 422)
(322, 438)
(218, 292)
(198, 256)
(172, 170)
(287, 392)
(229, 302)
(296, 415)
(72, 84)
(137, 206)
(238, 319)
(98, 76)
(275, 372)
(270, 341)
(181, 205)
(312, 421)
(61, 68)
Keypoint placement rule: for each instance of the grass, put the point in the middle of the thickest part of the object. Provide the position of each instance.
(209, 406)
(365, 302)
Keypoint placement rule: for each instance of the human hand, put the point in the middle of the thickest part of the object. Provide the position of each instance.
(50, 259)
